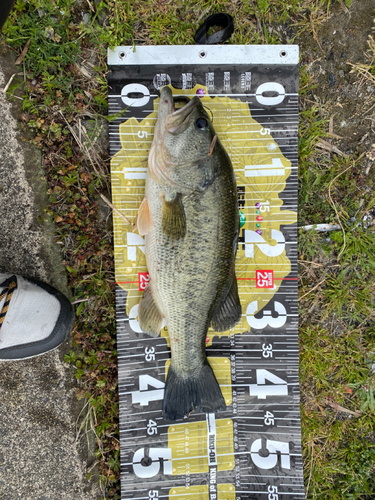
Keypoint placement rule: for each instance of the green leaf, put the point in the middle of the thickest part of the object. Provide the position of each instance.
(263, 5)
(79, 308)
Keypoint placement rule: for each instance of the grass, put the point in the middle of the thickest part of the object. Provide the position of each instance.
(62, 86)
(337, 293)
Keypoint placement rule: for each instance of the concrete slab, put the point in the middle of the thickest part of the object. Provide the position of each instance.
(41, 457)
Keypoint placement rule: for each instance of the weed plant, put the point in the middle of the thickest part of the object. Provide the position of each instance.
(61, 83)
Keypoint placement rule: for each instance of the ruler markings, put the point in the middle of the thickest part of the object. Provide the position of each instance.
(247, 348)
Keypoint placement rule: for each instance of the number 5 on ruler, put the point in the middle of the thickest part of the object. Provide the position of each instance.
(148, 466)
(272, 447)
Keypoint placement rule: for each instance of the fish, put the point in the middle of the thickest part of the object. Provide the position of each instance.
(189, 217)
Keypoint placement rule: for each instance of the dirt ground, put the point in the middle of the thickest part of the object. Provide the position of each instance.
(343, 96)
(38, 408)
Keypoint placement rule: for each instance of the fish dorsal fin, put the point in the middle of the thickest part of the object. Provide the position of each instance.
(149, 316)
(143, 221)
(173, 221)
(229, 312)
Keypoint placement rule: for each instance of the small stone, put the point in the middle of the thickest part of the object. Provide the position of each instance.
(331, 80)
(85, 17)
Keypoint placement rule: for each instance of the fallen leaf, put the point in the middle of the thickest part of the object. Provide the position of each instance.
(23, 53)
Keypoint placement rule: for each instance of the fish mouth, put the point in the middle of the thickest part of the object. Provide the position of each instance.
(184, 110)
(181, 98)
(174, 120)
(178, 120)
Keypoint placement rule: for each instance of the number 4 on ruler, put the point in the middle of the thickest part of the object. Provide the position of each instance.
(278, 388)
(144, 396)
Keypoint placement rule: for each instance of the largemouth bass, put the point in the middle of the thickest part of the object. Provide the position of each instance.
(190, 220)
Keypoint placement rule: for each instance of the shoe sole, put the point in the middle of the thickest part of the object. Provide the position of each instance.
(61, 331)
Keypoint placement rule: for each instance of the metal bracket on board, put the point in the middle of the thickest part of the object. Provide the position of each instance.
(253, 449)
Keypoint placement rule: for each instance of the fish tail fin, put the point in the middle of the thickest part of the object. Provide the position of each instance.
(182, 394)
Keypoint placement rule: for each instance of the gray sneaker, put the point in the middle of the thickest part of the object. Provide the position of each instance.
(34, 317)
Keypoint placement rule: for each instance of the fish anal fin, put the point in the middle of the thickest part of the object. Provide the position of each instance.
(143, 221)
(229, 312)
(149, 316)
(173, 221)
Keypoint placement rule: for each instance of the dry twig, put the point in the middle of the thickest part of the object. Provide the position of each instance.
(259, 24)
(9, 82)
(341, 408)
(312, 289)
(363, 70)
(327, 146)
(94, 159)
(335, 209)
(115, 209)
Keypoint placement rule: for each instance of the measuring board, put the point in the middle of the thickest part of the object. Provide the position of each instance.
(253, 449)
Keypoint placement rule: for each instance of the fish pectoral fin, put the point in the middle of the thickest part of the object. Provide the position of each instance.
(229, 312)
(143, 221)
(173, 221)
(149, 317)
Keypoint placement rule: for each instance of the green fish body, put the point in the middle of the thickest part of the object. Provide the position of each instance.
(190, 220)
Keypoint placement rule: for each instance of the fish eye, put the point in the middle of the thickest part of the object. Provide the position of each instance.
(201, 124)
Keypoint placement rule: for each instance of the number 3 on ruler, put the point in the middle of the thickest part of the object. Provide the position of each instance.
(267, 319)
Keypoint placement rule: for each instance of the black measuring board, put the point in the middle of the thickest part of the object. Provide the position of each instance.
(253, 449)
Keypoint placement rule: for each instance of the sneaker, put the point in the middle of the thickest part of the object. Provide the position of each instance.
(34, 317)
(5, 7)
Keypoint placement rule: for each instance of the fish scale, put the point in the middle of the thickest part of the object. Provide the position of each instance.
(252, 450)
(186, 304)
